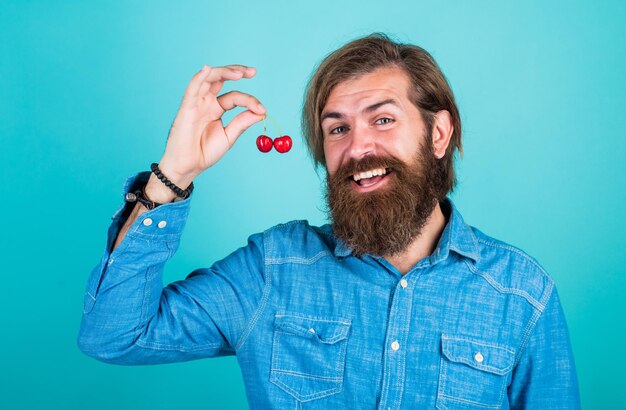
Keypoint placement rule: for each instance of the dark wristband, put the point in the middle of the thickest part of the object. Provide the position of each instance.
(181, 193)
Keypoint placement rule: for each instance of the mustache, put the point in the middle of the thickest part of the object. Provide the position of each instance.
(354, 166)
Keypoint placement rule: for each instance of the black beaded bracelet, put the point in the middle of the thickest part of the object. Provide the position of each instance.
(178, 191)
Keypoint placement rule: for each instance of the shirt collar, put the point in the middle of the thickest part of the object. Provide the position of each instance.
(456, 236)
(341, 249)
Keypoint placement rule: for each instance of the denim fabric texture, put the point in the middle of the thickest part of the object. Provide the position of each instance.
(477, 325)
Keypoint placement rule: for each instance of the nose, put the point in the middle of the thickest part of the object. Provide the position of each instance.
(362, 142)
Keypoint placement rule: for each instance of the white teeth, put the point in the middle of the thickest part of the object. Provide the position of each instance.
(369, 174)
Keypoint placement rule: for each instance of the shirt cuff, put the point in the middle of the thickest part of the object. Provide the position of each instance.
(165, 222)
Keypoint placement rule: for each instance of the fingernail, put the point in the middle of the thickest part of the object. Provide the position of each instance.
(260, 107)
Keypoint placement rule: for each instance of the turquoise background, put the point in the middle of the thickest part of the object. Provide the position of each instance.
(88, 92)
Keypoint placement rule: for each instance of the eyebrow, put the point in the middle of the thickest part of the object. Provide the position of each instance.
(373, 107)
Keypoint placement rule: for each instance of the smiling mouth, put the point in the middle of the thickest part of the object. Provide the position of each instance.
(370, 177)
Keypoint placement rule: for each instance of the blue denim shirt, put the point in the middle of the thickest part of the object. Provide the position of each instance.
(476, 325)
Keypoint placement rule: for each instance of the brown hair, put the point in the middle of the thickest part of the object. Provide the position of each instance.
(430, 91)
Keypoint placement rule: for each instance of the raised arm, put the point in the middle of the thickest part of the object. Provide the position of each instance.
(198, 137)
(128, 317)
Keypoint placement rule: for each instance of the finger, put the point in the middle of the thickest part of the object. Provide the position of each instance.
(221, 74)
(248, 72)
(216, 87)
(206, 88)
(234, 99)
(240, 123)
(217, 77)
(196, 80)
(224, 74)
(213, 88)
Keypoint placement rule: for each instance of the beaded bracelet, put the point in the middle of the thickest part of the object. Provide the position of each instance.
(179, 192)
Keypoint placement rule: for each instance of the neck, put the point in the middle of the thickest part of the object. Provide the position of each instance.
(423, 245)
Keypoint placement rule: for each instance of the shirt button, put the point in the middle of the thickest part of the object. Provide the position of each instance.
(162, 224)
(147, 222)
(404, 283)
(479, 357)
(395, 345)
(311, 330)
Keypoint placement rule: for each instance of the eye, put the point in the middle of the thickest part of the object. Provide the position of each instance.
(338, 130)
(384, 121)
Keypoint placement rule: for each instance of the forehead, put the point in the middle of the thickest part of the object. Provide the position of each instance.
(383, 83)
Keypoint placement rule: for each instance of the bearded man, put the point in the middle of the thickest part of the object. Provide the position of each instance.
(397, 304)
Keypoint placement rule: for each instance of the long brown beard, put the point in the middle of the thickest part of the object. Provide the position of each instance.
(385, 221)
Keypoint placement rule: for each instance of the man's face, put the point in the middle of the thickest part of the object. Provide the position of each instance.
(383, 178)
(371, 116)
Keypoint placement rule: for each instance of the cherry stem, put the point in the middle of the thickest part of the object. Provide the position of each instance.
(273, 121)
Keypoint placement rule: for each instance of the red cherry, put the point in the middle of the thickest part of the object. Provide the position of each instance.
(283, 144)
(264, 143)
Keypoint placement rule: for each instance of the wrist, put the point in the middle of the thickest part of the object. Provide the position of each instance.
(179, 179)
(157, 191)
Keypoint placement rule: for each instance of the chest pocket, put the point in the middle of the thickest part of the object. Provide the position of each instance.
(473, 374)
(308, 355)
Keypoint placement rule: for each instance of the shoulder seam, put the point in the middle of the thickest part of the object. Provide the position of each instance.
(531, 325)
(517, 251)
(301, 261)
(285, 224)
(539, 305)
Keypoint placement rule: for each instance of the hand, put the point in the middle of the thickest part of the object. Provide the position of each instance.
(198, 138)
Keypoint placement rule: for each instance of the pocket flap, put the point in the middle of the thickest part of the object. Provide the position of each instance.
(326, 331)
(481, 355)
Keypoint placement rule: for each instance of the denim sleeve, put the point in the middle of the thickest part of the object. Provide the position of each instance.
(130, 318)
(545, 376)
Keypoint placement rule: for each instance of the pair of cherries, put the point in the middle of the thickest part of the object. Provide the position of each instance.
(280, 144)
(264, 143)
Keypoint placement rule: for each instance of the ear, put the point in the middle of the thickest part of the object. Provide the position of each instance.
(442, 132)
